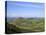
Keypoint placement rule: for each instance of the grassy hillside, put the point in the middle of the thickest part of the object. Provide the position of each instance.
(27, 25)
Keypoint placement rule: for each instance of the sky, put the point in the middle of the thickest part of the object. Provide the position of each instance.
(25, 9)
(40, 1)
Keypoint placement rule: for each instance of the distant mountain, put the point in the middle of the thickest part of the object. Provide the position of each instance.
(11, 18)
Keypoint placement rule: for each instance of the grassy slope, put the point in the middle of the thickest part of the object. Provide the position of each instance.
(29, 25)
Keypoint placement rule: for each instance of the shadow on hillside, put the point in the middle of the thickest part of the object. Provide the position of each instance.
(12, 29)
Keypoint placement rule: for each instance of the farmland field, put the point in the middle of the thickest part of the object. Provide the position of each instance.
(24, 25)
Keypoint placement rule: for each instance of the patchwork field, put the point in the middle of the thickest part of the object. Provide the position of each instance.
(25, 25)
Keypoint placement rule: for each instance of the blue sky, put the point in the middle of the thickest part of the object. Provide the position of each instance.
(25, 9)
(40, 1)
